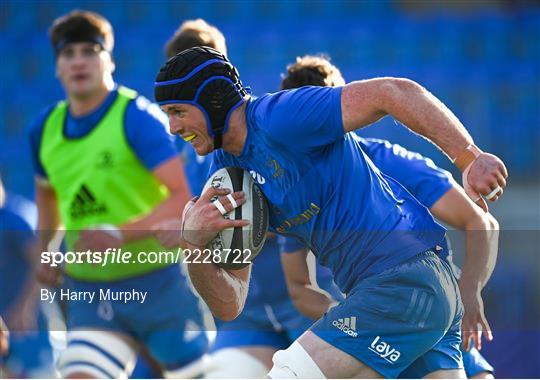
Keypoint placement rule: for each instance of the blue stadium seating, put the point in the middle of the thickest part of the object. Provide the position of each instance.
(483, 64)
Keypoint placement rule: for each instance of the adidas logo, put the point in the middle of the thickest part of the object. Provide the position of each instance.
(85, 204)
(347, 325)
(384, 350)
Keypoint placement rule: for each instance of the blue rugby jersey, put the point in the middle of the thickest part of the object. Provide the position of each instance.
(418, 174)
(323, 189)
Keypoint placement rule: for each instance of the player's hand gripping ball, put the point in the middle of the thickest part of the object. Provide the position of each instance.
(236, 247)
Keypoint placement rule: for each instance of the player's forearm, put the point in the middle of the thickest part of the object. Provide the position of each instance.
(143, 227)
(223, 291)
(422, 112)
(310, 301)
(481, 247)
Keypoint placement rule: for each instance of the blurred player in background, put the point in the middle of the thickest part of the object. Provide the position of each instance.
(108, 170)
(4, 338)
(374, 238)
(435, 189)
(195, 33)
(269, 321)
(30, 353)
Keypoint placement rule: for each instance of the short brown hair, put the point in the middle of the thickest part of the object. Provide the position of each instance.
(194, 33)
(311, 70)
(80, 25)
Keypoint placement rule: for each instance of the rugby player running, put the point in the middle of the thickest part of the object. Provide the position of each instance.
(372, 234)
(269, 320)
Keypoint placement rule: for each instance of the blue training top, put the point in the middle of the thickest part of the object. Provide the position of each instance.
(418, 174)
(323, 189)
(145, 128)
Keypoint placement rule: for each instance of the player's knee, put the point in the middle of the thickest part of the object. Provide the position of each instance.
(231, 363)
(96, 354)
(295, 363)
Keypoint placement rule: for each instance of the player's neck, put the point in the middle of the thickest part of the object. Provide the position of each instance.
(83, 105)
(235, 138)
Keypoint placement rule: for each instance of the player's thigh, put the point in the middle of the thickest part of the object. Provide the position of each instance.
(312, 358)
(333, 362)
(96, 354)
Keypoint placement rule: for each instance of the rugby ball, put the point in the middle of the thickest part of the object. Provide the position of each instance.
(235, 248)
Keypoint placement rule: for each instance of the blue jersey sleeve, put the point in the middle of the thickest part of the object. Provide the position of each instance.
(418, 174)
(307, 118)
(289, 244)
(35, 133)
(146, 130)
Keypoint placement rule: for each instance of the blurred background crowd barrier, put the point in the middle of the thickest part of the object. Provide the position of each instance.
(481, 58)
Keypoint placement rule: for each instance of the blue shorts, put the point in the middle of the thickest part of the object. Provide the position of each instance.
(169, 322)
(475, 363)
(398, 318)
(276, 325)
